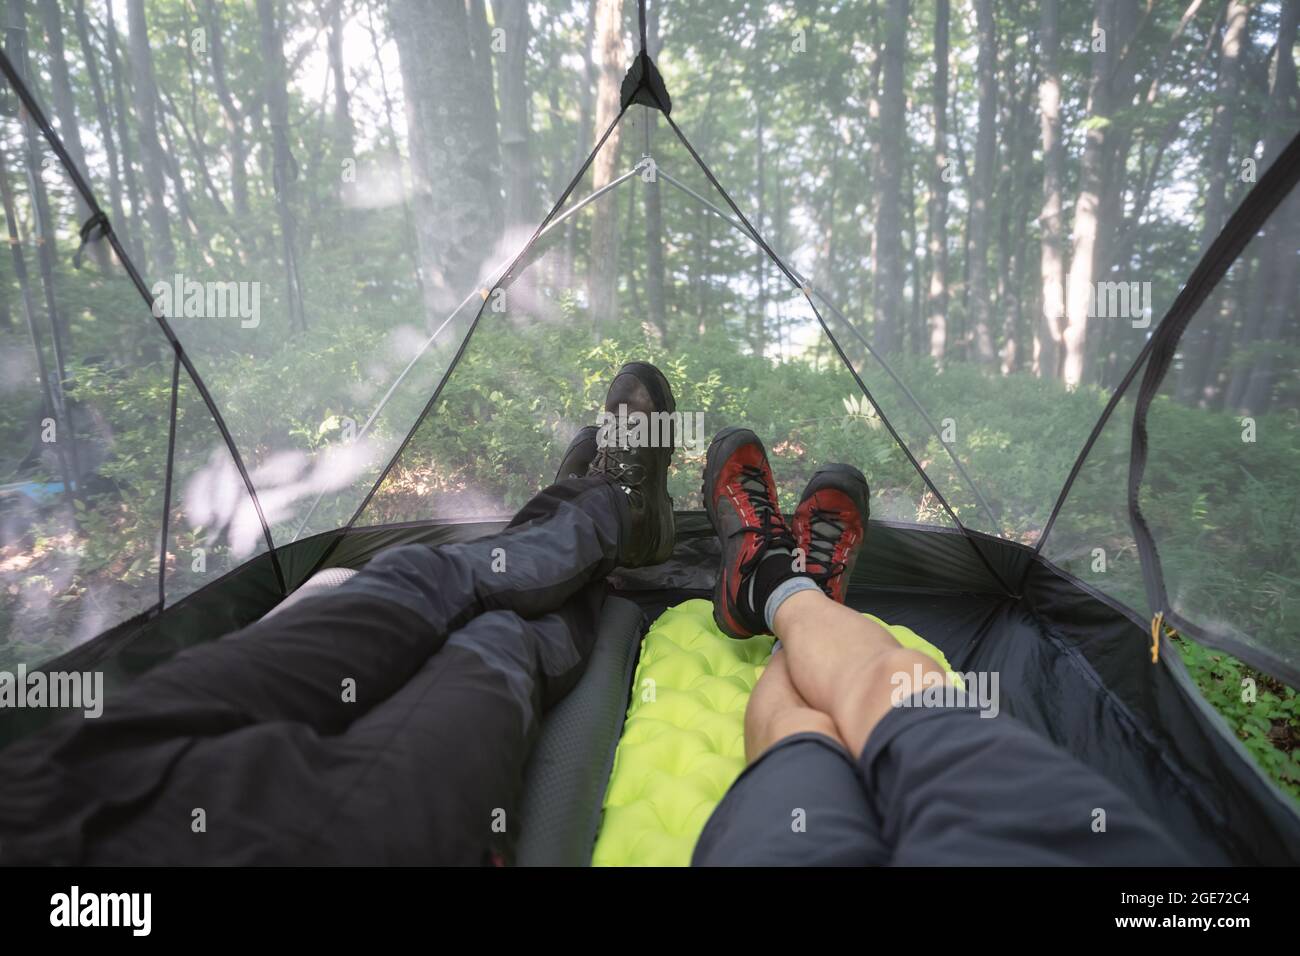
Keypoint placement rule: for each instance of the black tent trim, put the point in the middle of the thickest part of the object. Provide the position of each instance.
(1272, 189)
(100, 219)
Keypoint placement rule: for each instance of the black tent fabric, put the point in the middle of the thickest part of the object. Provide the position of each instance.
(236, 514)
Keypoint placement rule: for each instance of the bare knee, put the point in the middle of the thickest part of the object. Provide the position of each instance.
(877, 684)
(776, 725)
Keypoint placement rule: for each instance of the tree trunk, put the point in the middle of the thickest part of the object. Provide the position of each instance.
(105, 120)
(344, 131)
(1005, 190)
(825, 275)
(585, 138)
(145, 94)
(1200, 341)
(1083, 253)
(937, 220)
(1273, 302)
(283, 167)
(65, 107)
(511, 17)
(411, 244)
(870, 196)
(889, 225)
(134, 239)
(1017, 354)
(1047, 329)
(601, 279)
(982, 182)
(490, 158)
(234, 114)
(1116, 333)
(451, 188)
(758, 315)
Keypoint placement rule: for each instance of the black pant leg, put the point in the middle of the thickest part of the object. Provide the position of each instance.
(799, 804)
(322, 663)
(953, 788)
(431, 775)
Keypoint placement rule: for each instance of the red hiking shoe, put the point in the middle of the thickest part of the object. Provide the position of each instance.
(740, 497)
(830, 525)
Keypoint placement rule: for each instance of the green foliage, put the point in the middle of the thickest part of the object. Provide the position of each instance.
(1269, 725)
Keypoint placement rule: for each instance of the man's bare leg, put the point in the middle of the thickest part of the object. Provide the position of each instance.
(776, 710)
(842, 664)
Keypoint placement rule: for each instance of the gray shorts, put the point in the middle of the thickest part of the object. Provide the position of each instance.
(932, 787)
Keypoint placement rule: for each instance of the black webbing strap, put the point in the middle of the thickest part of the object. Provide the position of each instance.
(1274, 187)
(643, 84)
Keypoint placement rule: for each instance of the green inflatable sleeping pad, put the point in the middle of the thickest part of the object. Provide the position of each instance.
(683, 741)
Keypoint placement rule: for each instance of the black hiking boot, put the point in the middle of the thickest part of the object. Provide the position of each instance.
(579, 455)
(634, 448)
